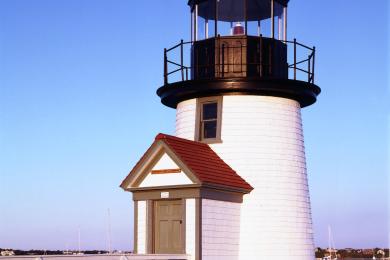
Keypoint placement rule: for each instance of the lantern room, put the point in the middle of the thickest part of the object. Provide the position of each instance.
(237, 38)
(239, 47)
(212, 18)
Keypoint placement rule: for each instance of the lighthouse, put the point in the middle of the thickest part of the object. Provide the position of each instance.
(232, 181)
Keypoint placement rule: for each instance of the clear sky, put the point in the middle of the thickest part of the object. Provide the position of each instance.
(78, 108)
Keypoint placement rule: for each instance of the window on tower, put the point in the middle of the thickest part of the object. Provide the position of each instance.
(208, 125)
(209, 120)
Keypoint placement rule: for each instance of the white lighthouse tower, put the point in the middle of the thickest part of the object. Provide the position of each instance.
(242, 95)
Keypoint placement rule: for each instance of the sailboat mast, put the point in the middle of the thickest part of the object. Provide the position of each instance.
(109, 230)
(329, 243)
(79, 239)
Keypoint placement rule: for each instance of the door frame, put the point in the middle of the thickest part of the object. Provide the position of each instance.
(151, 241)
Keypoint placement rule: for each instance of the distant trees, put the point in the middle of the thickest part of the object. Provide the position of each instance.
(353, 253)
(319, 252)
(53, 252)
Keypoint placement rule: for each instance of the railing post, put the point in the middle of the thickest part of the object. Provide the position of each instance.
(246, 16)
(261, 55)
(314, 59)
(223, 60)
(309, 69)
(165, 67)
(196, 65)
(295, 59)
(272, 19)
(285, 24)
(181, 60)
(216, 18)
(241, 58)
(196, 23)
(218, 64)
(270, 57)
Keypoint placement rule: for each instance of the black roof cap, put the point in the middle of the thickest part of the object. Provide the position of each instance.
(282, 2)
(233, 10)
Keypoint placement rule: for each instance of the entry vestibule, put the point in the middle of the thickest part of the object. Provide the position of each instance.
(179, 216)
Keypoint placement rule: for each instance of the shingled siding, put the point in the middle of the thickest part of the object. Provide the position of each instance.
(220, 230)
(262, 140)
(185, 119)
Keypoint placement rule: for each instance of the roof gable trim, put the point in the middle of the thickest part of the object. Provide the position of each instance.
(152, 156)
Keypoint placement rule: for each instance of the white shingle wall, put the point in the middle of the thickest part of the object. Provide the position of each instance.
(190, 228)
(141, 228)
(185, 119)
(220, 230)
(262, 139)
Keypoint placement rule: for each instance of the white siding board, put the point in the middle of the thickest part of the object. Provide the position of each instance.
(141, 228)
(190, 228)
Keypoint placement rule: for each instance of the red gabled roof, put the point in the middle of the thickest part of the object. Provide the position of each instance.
(208, 167)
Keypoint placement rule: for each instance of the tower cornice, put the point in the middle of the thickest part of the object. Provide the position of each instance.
(304, 92)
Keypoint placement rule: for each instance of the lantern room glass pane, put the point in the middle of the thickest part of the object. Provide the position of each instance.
(231, 17)
(192, 25)
(211, 29)
(258, 10)
(206, 9)
(206, 20)
(265, 26)
(201, 28)
(231, 10)
(254, 28)
(278, 20)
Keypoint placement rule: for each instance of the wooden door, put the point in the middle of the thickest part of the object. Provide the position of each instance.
(168, 227)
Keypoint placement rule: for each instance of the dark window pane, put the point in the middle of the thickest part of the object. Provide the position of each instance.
(209, 111)
(210, 129)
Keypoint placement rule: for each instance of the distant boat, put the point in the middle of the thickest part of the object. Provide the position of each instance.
(330, 244)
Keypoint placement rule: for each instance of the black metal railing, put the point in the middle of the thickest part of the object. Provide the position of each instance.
(262, 61)
(310, 61)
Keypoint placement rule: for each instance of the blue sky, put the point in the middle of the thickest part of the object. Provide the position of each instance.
(78, 108)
